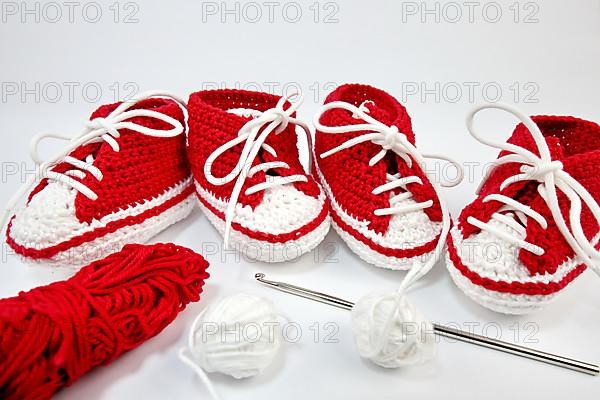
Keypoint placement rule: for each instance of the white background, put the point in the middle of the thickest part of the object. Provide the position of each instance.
(553, 60)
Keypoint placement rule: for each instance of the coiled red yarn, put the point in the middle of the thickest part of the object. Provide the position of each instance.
(52, 335)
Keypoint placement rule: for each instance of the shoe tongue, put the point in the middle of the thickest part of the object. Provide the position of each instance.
(249, 114)
(556, 150)
(523, 138)
(398, 117)
(394, 163)
(377, 112)
(380, 105)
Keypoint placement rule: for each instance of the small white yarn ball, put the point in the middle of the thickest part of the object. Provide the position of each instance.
(238, 336)
(410, 338)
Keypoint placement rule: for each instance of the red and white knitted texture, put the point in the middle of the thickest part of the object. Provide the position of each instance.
(395, 239)
(494, 270)
(127, 183)
(245, 143)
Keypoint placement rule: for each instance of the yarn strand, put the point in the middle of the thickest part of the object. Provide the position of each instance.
(52, 335)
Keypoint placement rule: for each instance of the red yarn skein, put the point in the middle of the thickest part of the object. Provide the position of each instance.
(52, 335)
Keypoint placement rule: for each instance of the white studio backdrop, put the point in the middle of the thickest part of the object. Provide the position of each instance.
(61, 60)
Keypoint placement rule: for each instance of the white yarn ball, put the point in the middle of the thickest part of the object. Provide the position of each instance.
(239, 336)
(409, 340)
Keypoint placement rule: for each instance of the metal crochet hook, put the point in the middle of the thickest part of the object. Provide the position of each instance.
(445, 331)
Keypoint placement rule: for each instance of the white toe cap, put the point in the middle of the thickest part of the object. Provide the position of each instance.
(48, 219)
(283, 209)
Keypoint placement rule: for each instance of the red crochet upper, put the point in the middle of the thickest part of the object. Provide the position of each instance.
(348, 173)
(144, 168)
(576, 143)
(211, 126)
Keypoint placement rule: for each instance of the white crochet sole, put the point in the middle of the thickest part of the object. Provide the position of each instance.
(362, 249)
(375, 258)
(266, 251)
(506, 303)
(101, 247)
(503, 302)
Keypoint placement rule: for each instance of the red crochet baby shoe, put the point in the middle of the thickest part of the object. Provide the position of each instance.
(535, 225)
(382, 203)
(242, 147)
(122, 180)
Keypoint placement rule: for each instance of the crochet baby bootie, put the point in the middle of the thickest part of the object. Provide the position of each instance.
(383, 204)
(122, 180)
(243, 151)
(534, 226)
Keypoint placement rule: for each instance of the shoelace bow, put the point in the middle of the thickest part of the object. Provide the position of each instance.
(391, 139)
(255, 133)
(97, 130)
(551, 177)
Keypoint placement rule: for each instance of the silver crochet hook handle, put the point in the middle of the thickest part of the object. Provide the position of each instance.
(446, 331)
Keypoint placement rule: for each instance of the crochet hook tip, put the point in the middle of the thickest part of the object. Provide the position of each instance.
(260, 277)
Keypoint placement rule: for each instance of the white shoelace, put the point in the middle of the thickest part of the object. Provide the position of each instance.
(550, 176)
(185, 355)
(391, 139)
(97, 130)
(274, 120)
